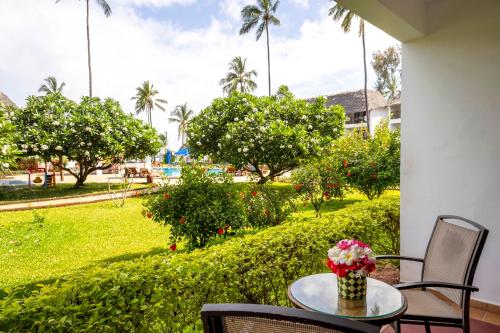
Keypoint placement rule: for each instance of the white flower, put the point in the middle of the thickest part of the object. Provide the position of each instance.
(245, 149)
(255, 109)
(44, 147)
(89, 144)
(228, 136)
(82, 143)
(56, 123)
(87, 154)
(236, 119)
(5, 149)
(262, 129)
(304, 117)
(239, 150)
(198, 143)
(282, 147)
(35, 149)
(24, 146)
(5, 165)
(289, 146)
(219, 144)
(58, 148)
(210, 126)
(88, 129)
(310, 127)
(247, 119)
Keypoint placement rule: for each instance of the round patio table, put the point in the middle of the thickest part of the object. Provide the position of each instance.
(383, 304)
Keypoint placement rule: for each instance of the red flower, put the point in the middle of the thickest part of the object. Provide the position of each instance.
(167, 196)
(298, 187)
(137, 194)
(173, 247)
(254, 193)
(220, 231)
(345, 163)
(182, 220)
(326, 194)
(348, 173)
(149, 215)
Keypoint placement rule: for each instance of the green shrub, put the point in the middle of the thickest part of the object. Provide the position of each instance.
(201, 207)
(165, 293)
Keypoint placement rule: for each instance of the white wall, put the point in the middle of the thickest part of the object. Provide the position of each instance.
(451, 131)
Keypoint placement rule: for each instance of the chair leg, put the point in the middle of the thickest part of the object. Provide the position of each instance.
(427, 327)
(398, 326)
(467, 326)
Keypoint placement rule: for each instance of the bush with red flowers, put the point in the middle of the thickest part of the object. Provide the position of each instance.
(198, 209)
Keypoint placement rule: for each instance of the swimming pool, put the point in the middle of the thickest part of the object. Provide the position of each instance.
(176, 172)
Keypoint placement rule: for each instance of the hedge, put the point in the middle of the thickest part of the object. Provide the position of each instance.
(165, 293)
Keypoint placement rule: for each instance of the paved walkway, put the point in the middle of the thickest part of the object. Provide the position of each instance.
(61, 202)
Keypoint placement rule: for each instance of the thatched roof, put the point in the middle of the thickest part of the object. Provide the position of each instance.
(6, 100)
(354, 101)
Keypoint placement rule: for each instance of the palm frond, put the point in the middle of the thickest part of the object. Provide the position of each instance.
(105, 7)
(274, 20)
(260, 30)
(275, 6)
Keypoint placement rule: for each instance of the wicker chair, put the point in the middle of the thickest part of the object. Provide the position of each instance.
(448, 268)
(252, 318)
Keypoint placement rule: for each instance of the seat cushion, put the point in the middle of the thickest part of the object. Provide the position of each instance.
(425, 303)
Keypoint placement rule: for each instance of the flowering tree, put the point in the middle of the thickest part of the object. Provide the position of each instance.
(8, 150)
(274, 133)
(96, 134)
(369, 165)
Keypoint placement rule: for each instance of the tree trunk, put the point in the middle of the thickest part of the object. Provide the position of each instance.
(88, 50)
(268, 59)
(366, 81)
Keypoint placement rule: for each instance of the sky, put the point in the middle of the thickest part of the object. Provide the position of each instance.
(182, 47)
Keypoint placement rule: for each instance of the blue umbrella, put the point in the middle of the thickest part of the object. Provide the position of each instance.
(184, 151)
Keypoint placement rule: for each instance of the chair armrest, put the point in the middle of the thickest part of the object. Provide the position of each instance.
(390, 256)
(436, 284)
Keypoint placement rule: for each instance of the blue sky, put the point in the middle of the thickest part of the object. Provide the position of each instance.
(182, 46)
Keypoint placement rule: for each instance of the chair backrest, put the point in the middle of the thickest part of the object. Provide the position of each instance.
(253, 318)
(453, 253)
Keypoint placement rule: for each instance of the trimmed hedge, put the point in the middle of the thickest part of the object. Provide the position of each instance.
(165, 293)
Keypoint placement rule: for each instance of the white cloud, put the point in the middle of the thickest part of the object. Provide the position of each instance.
(184, 65)
(157, 3)
(232, 8)
(302, 3)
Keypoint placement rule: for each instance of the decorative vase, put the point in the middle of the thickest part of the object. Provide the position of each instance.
(352, 286)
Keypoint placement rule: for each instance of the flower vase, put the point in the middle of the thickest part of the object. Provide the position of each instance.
(352, 286)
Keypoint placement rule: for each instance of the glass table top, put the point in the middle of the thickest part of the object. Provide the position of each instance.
(319, 293)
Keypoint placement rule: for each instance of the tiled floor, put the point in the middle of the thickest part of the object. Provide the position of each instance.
(483, 315)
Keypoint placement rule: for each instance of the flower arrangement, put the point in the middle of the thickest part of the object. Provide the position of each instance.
(351, 256)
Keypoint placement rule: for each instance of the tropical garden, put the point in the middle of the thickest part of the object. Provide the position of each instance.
(152, 262)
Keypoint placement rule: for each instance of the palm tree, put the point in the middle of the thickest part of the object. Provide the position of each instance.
(107, 11)
(145, 100)
(238, 78)
(50, 86)
(181, 115)
(260, 16)
(346, 17)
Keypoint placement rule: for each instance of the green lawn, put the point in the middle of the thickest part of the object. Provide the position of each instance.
(72, 238)
(75, 237)
(7, 195)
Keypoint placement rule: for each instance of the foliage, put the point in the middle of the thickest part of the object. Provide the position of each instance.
(146, 101)
(8, 149)
(51, 86)
(276, 133)
(238, 78)
(371, 165)
(386, 65)
(199, 208)
(319, 181)
(39, 246)
(96, 134)
(165, 293)
(181, 115)
(266, 206)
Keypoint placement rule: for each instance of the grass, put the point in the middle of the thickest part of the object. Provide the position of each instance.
(43, 245)
(8, 196)
(70, 238)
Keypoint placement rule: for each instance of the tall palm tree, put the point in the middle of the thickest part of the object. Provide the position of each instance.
(238, 78)
(107, 11)
(50, 86)
(182, 115)
(146, 101)
(261, 16)
(346, 17)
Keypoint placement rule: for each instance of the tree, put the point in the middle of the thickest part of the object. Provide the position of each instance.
(261, 16)
(163, 137)
(181, 115)
(267, 136)
(51, 86)
(107, 11)
(95, 134)
(370, 165)
(238, 77)
(346, 17)
(146, 100)
(8, 149)
(386, 65)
